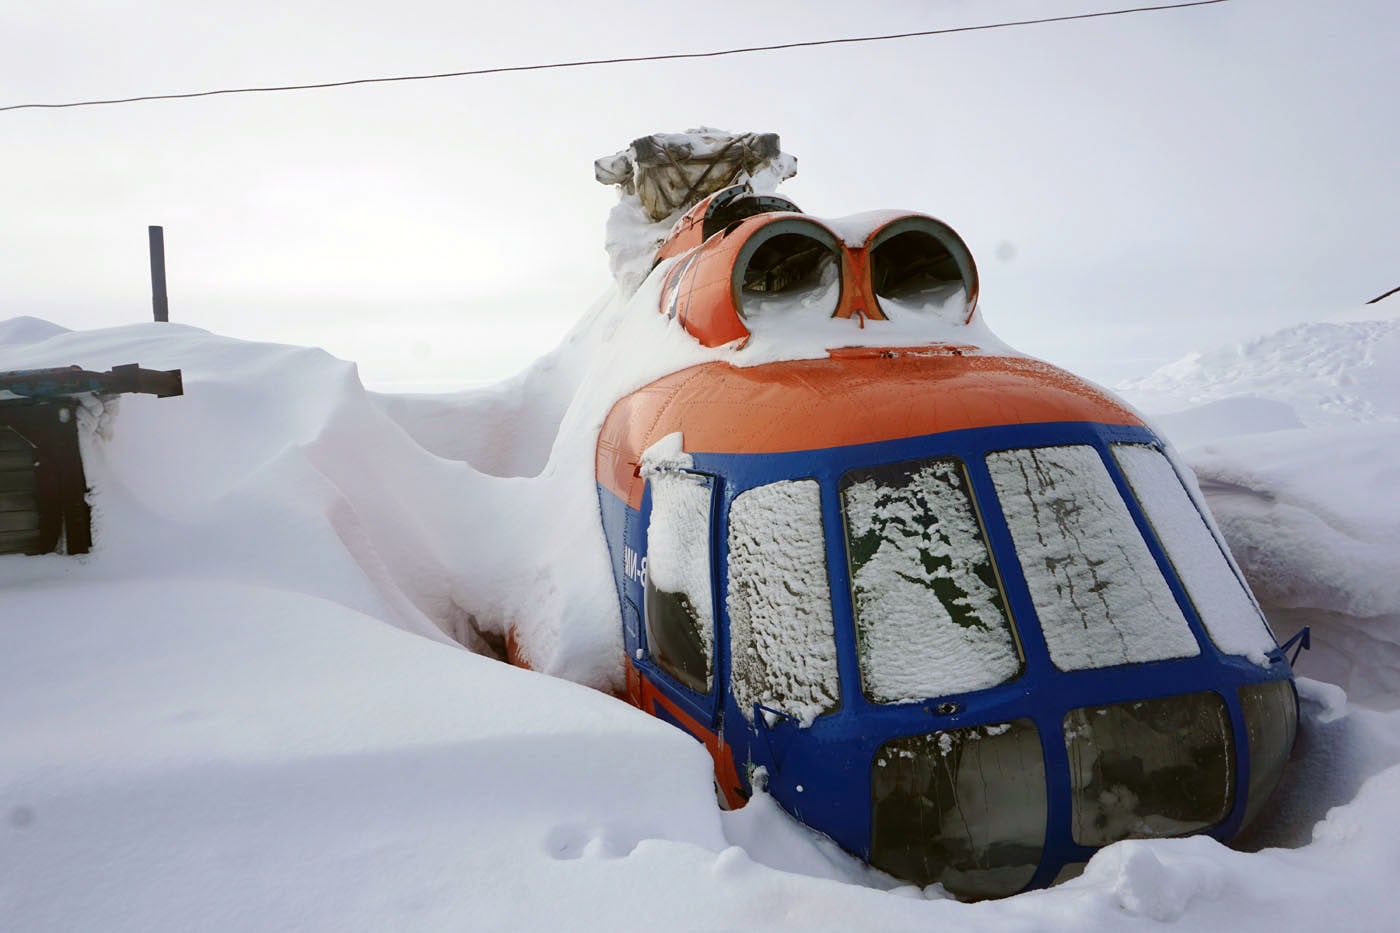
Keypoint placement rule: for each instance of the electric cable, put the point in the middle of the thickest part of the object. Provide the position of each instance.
(673, 56)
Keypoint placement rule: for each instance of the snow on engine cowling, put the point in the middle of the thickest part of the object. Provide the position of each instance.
(953, 607)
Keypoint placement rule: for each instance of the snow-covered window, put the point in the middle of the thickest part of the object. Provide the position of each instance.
(782, 637)
(679, 609)
(929, 614)
(1229, 615)
(1101, 599)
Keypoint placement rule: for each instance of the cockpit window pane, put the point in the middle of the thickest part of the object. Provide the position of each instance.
(679, 610)
(929, 613)
(1149, 768)
(782, 636)
(1099, 594)
(963, 807)
(1230, 617)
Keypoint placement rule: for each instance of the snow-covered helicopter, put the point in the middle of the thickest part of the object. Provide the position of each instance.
(954, 607)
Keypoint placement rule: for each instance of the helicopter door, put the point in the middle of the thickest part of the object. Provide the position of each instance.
(678, 611)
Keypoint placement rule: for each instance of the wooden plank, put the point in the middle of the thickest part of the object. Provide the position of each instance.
(58, 484)
(19, 542)
(19, 521)
(17, 480)
(17, 459)
(18, 501)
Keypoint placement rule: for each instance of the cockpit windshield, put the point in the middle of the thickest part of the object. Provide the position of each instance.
(1230, 617)
(930, 617)
(1099, 594)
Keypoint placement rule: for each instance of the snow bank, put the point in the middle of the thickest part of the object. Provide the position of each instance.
(1313, 519)
(1326, 372)
(1231, 618)
(277, 467)
(211, 721)
(1297, 450)
(18, 331)
(247, 708)
(189, 754)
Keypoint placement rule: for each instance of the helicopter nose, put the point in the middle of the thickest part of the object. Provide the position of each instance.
(968, 807)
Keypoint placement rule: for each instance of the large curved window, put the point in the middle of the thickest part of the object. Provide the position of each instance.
(679, 613)
(1230, 617)
(965, 807)
(1099, 594)
(782, 637)
(1149, 768)
(929, 613)
(1271, 727)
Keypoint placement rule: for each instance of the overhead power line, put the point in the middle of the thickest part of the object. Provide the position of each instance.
(674, 56)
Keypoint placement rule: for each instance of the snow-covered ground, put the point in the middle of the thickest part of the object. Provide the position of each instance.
(250, 708)
(1295, 439)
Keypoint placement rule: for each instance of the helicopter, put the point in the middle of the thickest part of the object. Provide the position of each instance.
(954, 607)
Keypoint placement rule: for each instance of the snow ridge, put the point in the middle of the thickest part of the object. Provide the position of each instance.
(1329, 372)
(217, 700)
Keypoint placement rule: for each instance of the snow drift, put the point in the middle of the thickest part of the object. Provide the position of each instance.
(250, 706)
(1295, 439)
(210, 723)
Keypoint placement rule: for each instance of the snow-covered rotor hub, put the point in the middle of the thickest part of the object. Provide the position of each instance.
(660, 176)
(669, 172)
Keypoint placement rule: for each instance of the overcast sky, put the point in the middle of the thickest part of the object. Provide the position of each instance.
(1133, 187)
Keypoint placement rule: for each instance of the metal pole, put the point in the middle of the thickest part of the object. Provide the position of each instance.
(159, 302)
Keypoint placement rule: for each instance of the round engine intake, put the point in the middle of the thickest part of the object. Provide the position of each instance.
(788, 264)
(921, 265)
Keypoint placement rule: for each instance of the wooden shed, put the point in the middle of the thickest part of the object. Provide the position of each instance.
(43, 489)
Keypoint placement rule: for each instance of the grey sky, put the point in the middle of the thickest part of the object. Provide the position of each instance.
(1133, 187)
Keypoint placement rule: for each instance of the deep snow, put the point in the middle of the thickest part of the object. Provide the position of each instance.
(248, 708)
